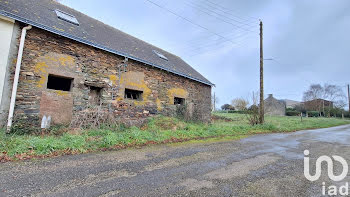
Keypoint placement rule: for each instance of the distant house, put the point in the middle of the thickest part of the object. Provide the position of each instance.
(317, 105)
(291, 103)
(274, 107)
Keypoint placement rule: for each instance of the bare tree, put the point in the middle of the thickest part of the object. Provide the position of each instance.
(253, 111)
(341, 104)
(328, 92)
(315, 91)
(332, 93)
(335, 94)
(214, 101)
(240, 104)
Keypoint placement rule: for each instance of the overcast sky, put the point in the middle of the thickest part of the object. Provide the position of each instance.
(309, 41)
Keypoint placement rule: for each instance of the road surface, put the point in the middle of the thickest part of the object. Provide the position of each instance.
(262, 165)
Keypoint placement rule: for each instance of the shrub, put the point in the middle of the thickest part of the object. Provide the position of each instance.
(313, 113)
(254, 108)
(182, 112)
(347, 114)
(238, 112)
(227, 107)
(23, 124)
(291, 109)
(94, 117)
(253, 115)
(292, 113)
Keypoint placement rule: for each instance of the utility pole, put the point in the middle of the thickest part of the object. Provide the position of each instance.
(349, 95)
(261, 110)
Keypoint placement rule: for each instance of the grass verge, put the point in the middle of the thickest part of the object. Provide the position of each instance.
(158, 130)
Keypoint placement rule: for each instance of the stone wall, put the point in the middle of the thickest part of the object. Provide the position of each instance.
(274, 107)
(95, 71)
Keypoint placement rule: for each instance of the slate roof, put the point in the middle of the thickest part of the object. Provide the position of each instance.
(41, 14)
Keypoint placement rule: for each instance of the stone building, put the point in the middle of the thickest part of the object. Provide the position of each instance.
(71, 61)
(274, 107)
(317, 105)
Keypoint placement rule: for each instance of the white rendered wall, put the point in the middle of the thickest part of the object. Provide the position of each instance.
(6, 30)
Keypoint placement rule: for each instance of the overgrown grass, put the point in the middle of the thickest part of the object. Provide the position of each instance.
(158, 130)
(287, 123)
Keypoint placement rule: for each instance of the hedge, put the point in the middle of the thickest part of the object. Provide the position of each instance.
(313, 113)
(292, 113)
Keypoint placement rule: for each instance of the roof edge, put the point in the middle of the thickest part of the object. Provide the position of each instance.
(98, 46)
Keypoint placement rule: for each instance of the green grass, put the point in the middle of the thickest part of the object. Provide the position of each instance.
(158, 130)
(286, 123)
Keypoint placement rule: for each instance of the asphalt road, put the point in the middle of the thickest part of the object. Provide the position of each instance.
(262, 165)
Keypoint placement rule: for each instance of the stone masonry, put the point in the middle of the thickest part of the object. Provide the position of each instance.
(93, 69)
(274, 107)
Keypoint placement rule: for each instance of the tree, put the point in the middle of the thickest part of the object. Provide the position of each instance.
(333, 93)
(240, 104)
(299, 108)
(214, 101)
(338, 109)
(253, 115)
(341, 104)
(315, 91)
(328, 92)
(227, 107)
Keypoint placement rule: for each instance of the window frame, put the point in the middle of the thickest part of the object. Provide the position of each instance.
(99, 91)
(183, 100)
(50, 87)
(67, 17)
(139, 94)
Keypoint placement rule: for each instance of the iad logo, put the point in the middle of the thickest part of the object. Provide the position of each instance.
(331, 190)
(329, 162)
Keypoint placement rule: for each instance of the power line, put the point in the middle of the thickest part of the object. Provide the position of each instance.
(200, 8)
(210, 43)
(200, 40)
(284, 64)
(228, 12)
(224, 8)
(188, 20)
(238, 45)
(224, 38)
(248, 21)
(207, 48)
(215, 43)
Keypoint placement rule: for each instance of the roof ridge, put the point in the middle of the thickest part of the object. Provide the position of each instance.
(97, 34)
(114, 28)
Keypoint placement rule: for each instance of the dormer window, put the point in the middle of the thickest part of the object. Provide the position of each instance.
(160, 55)
(66, 17)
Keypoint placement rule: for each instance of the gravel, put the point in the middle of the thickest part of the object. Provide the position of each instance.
(261, 165)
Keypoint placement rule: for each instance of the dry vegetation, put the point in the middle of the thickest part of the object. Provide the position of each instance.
(157, 130)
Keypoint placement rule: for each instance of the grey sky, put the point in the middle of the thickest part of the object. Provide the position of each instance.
(308, 39)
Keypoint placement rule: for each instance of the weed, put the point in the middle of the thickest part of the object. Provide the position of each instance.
(158, 130)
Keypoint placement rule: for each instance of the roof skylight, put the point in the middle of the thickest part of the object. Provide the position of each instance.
(160, 55)
(66, 17)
